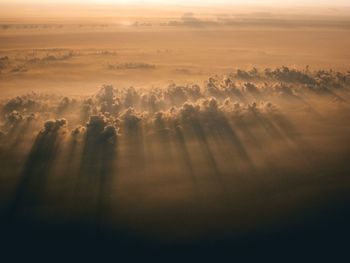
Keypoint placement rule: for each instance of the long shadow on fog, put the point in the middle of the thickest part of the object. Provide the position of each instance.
(278, 128)
(97, 169)
(159, 140)
(193, 127)
(14, 143)
(266, 124)
(184, 153)
(133, 142)
(256, 141)
(288, 131)
(72, 160)
(19, 127)
(166, 139)
(324, 91)
(223, 131)
(37, 167)
(19, 138)
(71, 155)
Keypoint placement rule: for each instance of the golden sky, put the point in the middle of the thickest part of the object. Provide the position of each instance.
(192, 2)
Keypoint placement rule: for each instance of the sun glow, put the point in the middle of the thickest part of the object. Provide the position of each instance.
(191, 2)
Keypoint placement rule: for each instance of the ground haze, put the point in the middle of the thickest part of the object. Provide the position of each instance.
(175, 128)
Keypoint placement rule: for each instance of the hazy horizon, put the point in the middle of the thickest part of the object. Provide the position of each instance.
(271, 3)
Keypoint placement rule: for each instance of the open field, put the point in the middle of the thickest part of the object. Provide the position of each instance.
(181, 46)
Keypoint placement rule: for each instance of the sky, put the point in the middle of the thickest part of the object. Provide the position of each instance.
(191, 2)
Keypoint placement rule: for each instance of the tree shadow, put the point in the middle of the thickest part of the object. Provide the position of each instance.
(37, 167)
(97, 169)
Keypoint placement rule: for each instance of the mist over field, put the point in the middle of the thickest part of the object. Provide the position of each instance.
(185, 130)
